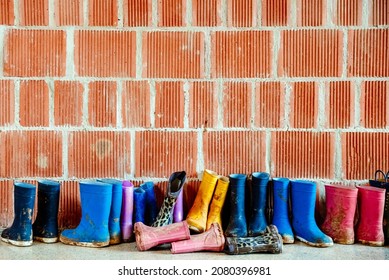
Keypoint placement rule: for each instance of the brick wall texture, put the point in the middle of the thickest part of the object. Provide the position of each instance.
(136, 90)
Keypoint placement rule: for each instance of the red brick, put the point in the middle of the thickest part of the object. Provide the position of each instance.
(34, 94)
(311, 13)
(348, 12)
(269, 104)
(363, 153)
(227, 152)
(242, 54)
(173, 54)
(68, 103)
(379, 12)
(276, 12)
(169, 104)
(7, 12)
(34, 53)
(368, 52)
(237, 104)
(340, 104)
(242, 13)
(30, 154)
(304, 105)
(137, 12)
(136, 104)
(7, 105)
(102, 100)
(69, 212)
(303, 154)
(171, 12)
(206, 12)
(34, 12)
(99, 154)
(374, 104)
(69, 12)
(311, 53)
(203, 104)
(159, 153)
(105, 53)
(6, 203)
(103, 13)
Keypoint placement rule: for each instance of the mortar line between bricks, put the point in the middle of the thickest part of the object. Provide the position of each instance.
(366, 4)
(200, 165)
(330, 13)
(220, 111)
(51, 13)
(152, 103)
(293, 13)
(345, 53)
(259, 14)
(275, 49)
(85, 104)
(321, 118)
(253, 105)
(287, 105)
(86, 13)
(2, 41)
(119, 102)
(223, 13)
(207, 54)
(188, 14)
(17, 104)
(50, 84)
(16, 13)
(139, 55)
(120, 7)
(186, 104)
(70, 62)
(357, 108)
(338, 156)
(154, 13)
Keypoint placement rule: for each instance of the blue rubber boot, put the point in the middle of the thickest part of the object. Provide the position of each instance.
(116, 207)
(281, 189)
(237, 226)
(139, 205)
(20, 232)
(303, 195)
(258, 223)
(151, 209)
(45, 227)
(92, 231)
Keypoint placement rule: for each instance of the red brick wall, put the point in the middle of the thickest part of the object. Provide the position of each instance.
(138, 89)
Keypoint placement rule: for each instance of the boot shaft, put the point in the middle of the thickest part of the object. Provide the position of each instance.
(258, 196)
(151, 208)
(217, 203)
(126, 215)
(24, 201)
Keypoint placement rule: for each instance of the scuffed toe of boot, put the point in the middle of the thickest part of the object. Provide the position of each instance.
(11, 236)
(317, 239)
(74, 237)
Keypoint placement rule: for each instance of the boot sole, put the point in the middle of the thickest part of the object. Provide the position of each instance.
(372, 243)
(17, 243)
(321, 245)
(46, 239)
(67, 241)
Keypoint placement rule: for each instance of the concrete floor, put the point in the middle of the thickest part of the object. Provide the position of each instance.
(128, 251)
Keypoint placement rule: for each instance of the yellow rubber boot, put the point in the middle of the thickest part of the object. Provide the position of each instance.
(214, 215)
(197, 216)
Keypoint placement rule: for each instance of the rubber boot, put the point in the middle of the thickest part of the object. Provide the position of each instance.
(148, 237)
(341, 203)
(237, 226)
(257, 222)
(281, 190)
(178, 212)
(371, 203)
(126, 215)
(45, 227)
(116, 207)
(151, 208)
(92, 231)
(210, 240)
(303, 194)
(139, 205)
(268, 241)
(217, 203)
(175, 186)
(198, 213)
(20, 232)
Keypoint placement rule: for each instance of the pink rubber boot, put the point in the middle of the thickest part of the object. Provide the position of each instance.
(147, 237)
(371, 203)
(341, 203)
(210, 240)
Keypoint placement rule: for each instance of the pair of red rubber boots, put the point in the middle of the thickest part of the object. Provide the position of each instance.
(342, 203)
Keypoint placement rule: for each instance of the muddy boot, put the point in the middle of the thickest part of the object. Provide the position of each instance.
(151, 208)
(281, 219)
(257, 222)
(303, 194)
(210, 240)
(92, 231)
(148, 237)
(237, 226)
(139, 205)
(126, 215)
(20, 232)
(116, 207)
(178, 212)
(45, 227)
(341, 203)
(165, 215)
(217, 203)
(198, 213)
(267, 242)
(371, 203)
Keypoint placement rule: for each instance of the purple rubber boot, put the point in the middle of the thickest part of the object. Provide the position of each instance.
(178, 212)
(127, 210)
